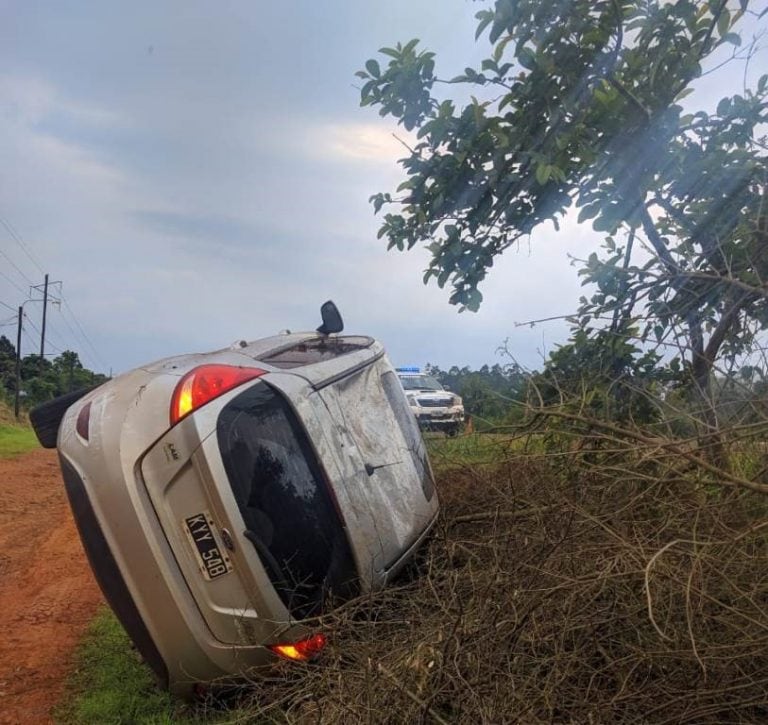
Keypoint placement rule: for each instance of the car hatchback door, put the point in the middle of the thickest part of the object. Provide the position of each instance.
(385, 456)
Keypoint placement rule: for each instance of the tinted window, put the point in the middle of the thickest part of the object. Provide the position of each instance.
(410, 428)
(288, 513)
(316, 350)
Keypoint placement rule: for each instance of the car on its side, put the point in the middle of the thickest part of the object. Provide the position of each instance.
(435, 407)
(225, 499)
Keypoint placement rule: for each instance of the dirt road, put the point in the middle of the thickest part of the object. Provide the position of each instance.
(47, 592)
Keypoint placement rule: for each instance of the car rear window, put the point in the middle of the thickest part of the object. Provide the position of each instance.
(284, 500)
(316, 350)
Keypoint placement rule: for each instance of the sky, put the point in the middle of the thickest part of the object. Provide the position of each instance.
(198, 172)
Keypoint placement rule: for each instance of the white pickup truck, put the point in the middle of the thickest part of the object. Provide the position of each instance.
(434, 407)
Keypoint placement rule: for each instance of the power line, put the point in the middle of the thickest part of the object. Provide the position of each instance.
(79, 341)
(37, 330)
(97, 358)
(17, 238)
(12, 263)
(5, 304)
(32, 342)
(59, 344)
(3, 274)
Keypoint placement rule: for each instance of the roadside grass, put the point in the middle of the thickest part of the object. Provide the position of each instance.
(477, 449)
(16, 439)
(110, 683)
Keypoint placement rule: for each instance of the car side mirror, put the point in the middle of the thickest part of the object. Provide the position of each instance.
(331, 316)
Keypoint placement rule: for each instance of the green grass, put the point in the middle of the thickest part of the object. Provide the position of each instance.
(110, 682)
(16, 439)
(476, 449)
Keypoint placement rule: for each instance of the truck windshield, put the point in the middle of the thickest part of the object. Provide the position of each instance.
(420, 382)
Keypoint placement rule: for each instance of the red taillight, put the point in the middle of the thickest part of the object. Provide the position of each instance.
(303, 650)
(82, 426)
(203, 384)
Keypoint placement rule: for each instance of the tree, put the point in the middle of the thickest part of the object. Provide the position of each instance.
(604, 375)
(492, 394)
(7, 367)
(578, 104)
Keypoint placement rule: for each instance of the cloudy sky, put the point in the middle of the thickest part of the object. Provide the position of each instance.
(198, 172)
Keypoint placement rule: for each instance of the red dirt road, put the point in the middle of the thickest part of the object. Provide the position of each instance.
(47, 592)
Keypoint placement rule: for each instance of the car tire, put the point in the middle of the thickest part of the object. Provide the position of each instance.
(46, 417)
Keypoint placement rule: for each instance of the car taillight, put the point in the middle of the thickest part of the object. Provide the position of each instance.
(203, 384)
(83, 424)
(303, 650)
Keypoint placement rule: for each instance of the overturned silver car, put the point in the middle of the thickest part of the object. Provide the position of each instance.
(224, 499)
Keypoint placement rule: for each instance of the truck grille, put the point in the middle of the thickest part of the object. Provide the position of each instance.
(435, 402)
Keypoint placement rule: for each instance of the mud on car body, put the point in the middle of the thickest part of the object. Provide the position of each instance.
(226, 498)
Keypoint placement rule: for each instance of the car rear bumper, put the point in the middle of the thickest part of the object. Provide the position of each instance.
(151, 602)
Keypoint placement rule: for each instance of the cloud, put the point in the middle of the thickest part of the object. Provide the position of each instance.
(32, 101)
(207, 228)
(359, 142)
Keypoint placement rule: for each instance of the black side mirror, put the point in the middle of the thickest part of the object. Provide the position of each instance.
(332, 321)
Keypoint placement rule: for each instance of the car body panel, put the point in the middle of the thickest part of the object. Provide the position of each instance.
(379, 458)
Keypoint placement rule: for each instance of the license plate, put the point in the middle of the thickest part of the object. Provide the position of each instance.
(199, 529)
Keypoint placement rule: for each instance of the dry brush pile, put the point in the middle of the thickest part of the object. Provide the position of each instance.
(611, 585)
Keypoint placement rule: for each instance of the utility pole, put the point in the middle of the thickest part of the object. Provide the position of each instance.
(46, 297)
(18, 364)
(42, 333)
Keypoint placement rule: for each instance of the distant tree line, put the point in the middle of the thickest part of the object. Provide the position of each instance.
(610, 378)
(491, 394)
(42, 379)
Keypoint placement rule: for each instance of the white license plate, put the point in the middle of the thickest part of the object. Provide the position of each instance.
(199, 529)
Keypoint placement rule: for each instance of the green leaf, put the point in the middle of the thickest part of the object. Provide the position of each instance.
(527, 58)
(498, 51)
(391, 52)
(733, 38)
(410, 45)
(683, 94)
(543, 172)
(724, 22)
(373, 68)
(486, 18)
(588, 212)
